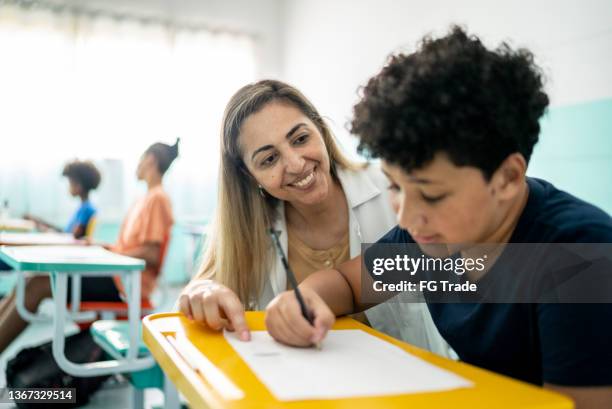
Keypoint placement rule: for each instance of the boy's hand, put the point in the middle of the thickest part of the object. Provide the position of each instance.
(286, 324)
(215, 305)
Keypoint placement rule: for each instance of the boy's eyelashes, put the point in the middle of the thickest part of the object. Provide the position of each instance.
(433, 199)
(429, 199)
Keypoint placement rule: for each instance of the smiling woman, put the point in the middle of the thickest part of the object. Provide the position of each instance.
(262, 154)
(281, 169)
(293, 166)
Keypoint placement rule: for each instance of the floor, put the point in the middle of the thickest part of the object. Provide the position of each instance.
(115, 393)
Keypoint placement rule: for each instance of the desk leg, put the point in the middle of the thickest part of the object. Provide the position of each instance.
(134, 296)
(101, 367)
(171, 395)
(76, 294)
(75, 301)
(20, 301)
(59, 318)
(137, 398)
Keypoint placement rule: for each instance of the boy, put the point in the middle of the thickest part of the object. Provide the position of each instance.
(455, 124)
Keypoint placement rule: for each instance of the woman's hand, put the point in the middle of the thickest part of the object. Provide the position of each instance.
(215, 305)
(286, 324)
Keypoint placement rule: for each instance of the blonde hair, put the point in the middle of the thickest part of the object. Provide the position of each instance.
(237, 249)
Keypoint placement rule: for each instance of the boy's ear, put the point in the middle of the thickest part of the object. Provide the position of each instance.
(508, 179)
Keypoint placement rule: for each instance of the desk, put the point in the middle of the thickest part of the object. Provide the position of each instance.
(490, 390)
(77, 261)
(38, 239)
(17, 225)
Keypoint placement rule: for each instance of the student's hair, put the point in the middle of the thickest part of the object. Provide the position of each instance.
(236, 254)
(454, 96)
(164, 154)
(84, 173)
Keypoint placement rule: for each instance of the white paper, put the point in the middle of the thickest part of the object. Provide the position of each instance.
(351, 363)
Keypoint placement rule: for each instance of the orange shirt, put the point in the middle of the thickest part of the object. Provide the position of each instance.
(149, 220)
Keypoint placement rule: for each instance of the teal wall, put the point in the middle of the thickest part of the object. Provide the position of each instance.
(575, 151)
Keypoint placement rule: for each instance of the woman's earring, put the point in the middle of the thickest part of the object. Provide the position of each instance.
(261, 191)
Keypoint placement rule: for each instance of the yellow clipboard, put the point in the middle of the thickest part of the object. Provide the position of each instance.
(231, 373)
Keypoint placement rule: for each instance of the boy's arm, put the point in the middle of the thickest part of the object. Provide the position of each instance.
(327, 293)
(338, 288)
(321, 291)
(586, 397)
(42, 224)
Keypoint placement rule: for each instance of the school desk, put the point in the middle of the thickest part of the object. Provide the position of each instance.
(76, 261)
(38, 239)
(17, 225)
(490, 390)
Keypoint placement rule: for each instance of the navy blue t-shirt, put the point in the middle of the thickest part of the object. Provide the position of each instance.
(563, 344)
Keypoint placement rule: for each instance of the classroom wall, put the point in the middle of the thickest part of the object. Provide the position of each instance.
(258, 18)
(330, 48)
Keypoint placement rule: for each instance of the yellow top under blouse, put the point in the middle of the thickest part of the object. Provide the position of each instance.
(304, 260)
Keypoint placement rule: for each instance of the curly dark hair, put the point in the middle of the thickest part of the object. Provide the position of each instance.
(454, 96)
(84, 173)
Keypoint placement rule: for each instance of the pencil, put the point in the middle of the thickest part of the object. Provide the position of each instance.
(291, 277)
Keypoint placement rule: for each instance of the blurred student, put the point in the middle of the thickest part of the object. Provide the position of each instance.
(144, 234)
(145, 231)
(455, 125)
(83, 177)
(281, 168)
